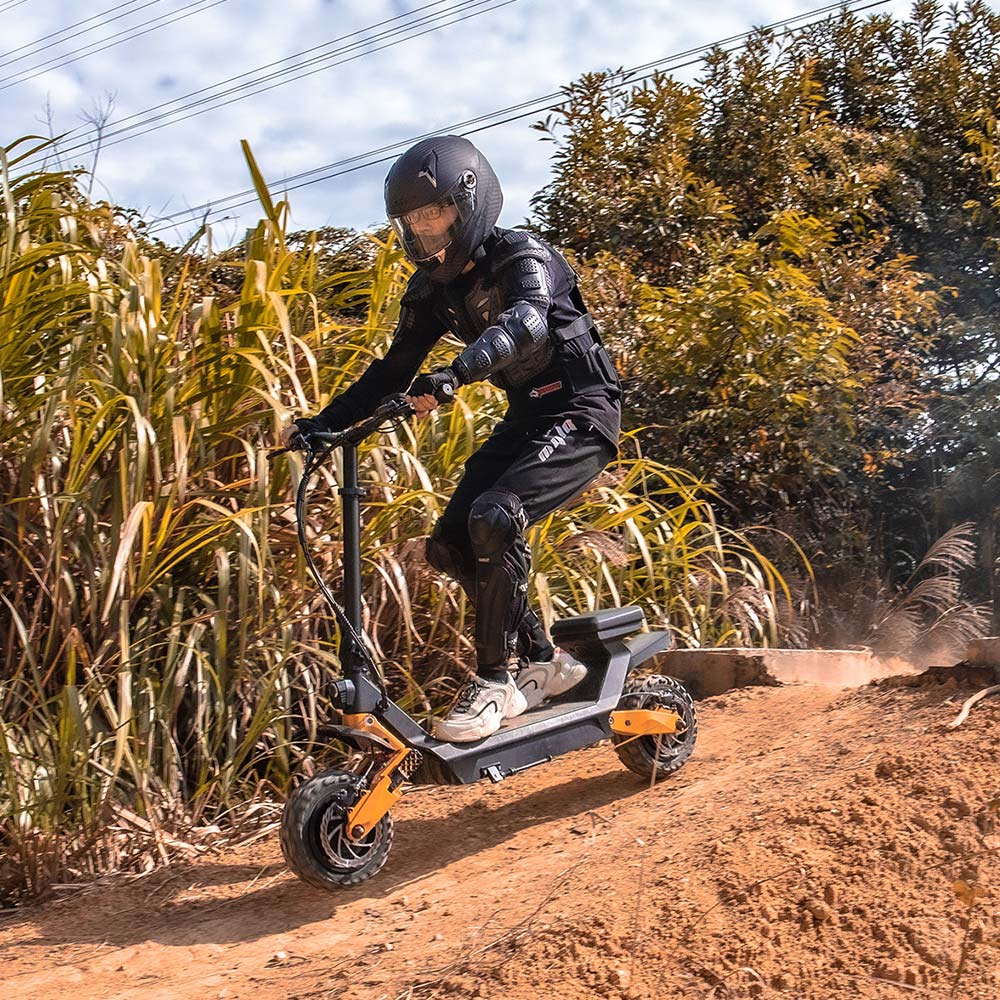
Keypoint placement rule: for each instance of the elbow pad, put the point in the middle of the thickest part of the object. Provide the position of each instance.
(518, 332)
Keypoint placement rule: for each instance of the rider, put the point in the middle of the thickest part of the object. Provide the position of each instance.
(514, 301)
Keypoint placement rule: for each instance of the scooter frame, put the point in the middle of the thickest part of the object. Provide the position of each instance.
(609, 642)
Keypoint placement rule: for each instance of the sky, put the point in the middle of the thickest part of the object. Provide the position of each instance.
(142, 53)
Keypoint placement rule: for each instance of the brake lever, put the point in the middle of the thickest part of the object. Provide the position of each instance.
(395, 407)
(291, 446)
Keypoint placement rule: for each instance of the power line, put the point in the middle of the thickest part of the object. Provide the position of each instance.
(130, 34)
(487, 5)
(325, 61)
(278, 62)
(10, 5)
(23, 75)
(62, 31)
(144, 131)
(534, 106)
(454, 129)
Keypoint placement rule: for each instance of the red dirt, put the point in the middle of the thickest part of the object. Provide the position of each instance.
(809, 849)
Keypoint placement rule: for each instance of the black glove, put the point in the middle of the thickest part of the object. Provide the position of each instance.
(305, 426)
(309, 424)
(440, 384)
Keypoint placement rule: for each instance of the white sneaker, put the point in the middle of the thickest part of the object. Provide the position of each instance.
(538, 681)
(480, 709)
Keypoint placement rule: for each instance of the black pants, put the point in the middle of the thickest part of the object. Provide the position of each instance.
(516, 478)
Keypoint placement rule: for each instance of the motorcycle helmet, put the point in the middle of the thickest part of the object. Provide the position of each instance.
(442, 199)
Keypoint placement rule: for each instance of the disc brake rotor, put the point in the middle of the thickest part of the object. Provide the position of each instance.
(339, 850)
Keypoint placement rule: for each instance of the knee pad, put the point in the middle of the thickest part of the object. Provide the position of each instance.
(496, 521)
(446, 556)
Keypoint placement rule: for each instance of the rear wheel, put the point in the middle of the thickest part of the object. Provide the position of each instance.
(666, 752)
(314, 837)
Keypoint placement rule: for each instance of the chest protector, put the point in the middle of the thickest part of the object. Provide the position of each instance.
(518, 268)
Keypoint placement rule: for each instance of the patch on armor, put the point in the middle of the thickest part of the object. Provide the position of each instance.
(544, 390)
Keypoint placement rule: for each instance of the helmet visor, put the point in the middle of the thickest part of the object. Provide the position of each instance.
(428, 231)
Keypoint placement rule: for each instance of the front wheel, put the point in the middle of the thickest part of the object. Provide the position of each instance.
(314, 833)
(666, 752)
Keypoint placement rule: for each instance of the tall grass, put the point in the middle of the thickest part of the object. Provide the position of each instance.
(165, 655)
(926, 614)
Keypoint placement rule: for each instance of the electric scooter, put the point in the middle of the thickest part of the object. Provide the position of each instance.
(336, 830)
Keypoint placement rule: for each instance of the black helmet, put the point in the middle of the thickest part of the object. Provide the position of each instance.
(443, 200)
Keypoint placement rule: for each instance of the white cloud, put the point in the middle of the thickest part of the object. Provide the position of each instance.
(524, 50)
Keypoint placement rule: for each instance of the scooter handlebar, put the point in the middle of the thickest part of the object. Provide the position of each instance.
(391, 408)
(323, 437)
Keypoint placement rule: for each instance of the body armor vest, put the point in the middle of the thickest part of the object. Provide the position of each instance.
(517, 268)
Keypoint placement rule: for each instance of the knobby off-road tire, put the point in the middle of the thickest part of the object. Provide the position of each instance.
(314, 835)
(640, 754)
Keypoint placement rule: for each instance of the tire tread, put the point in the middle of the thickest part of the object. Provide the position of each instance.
(298, 813)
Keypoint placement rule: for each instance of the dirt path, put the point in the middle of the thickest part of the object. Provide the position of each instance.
(809, 849)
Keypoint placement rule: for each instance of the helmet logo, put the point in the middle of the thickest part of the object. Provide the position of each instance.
(428, 169)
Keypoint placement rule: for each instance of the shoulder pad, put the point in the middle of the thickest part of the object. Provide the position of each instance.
(515, 244)
(419, 290)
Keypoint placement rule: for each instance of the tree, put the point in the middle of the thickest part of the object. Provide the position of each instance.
(802, 285)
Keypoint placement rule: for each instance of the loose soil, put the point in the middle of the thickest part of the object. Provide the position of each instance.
(820, 843)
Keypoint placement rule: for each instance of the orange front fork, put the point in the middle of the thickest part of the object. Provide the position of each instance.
(380, 797)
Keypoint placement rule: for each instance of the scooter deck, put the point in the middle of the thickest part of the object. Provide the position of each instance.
(542, 713)
(542, 733)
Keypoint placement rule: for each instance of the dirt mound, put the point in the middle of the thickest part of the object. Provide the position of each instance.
(820, 843)
(961, 675)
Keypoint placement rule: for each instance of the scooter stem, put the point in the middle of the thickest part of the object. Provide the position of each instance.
(352, 494)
